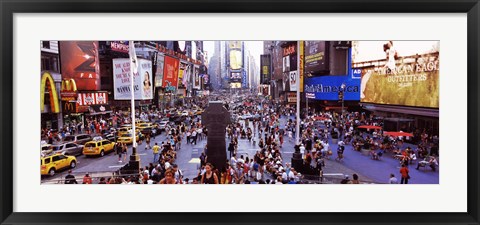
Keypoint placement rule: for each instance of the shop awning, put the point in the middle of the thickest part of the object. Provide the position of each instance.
(100, 109)
(370, 127)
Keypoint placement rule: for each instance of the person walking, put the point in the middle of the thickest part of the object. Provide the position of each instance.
(119, 151)
(147, 141)
(156, 149)
(405, 176)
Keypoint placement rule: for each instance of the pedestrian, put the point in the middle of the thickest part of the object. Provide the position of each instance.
(87, 179)
(188, 136)
(355, 179)
(119, 151)
(70, 179)
(393, 179)
(209, 177)
(405, 176)
(124, 151)
(156, 149)
(194, 137)
(147, 141)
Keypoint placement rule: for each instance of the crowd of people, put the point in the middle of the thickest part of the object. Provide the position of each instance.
(318, 133)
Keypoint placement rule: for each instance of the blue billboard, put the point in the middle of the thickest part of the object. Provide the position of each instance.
(327, 87)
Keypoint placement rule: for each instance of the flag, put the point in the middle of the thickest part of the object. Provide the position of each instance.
(133, 57)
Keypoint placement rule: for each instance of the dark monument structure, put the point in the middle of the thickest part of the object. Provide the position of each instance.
(216, 118)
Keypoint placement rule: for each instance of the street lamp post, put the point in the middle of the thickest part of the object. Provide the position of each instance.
(342, 92)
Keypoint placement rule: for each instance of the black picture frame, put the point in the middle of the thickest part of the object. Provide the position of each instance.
(10, 7)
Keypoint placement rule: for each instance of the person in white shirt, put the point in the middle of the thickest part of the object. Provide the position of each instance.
(393, 179)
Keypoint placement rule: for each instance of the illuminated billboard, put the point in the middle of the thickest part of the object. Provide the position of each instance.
(80, 62)
(236, 59)
(398, 72)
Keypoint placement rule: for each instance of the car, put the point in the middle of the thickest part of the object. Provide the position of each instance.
(52, 163)
(127, 138)
(80, 139)
(145, 128)
(69, 148)
(198, 112)
(98, 148)
(246, 117)
(162, 125)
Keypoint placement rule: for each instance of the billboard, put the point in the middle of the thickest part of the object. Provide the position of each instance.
(265, 73)
(236, 59)
(316, 56)
(292, 77)
(170, 73)
(235, 85)
(80, 62)
(398, 72)
(159, 71)
(196, 77)
(235, 76)
(182, 71)
(143, 87)
(327, 87)
(92, 98)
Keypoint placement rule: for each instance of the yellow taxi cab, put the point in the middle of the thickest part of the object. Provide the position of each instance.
(50, 164)
(127, 138)
(142, 126)
(98, 147)
(198, 112)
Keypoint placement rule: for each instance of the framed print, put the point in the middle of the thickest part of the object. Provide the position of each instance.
(206, 92)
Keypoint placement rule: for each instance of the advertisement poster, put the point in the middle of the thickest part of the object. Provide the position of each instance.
(181, 73)
(235, 59)
(170, 73)
(293, 80)
(159, 71)
(196, 77)
(327, 87)
(316, 56)
(265, 73)
(142, 86)
(402, 73)
(80, 62)
(91, 98)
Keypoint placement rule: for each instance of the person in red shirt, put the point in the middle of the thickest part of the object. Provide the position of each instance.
(87, 179)
(404, 172)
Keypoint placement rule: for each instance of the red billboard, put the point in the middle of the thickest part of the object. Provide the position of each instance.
(170, 72)
(80, 62)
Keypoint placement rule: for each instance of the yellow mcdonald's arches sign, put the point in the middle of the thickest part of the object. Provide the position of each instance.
(47, 80)
(69, 85)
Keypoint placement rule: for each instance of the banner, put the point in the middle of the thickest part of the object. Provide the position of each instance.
(92, 98)
(170, 73)
(119, 46)
(196, 77)
(327, 88)
(293, 80)
(402, 73)
(302, 65)
(143, 88)
(80, 62)
(316, 56)
(159, 71)
(181, 73)
(244, 80)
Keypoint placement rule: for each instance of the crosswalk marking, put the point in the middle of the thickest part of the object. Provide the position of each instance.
(194, 160)
(117, 166)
